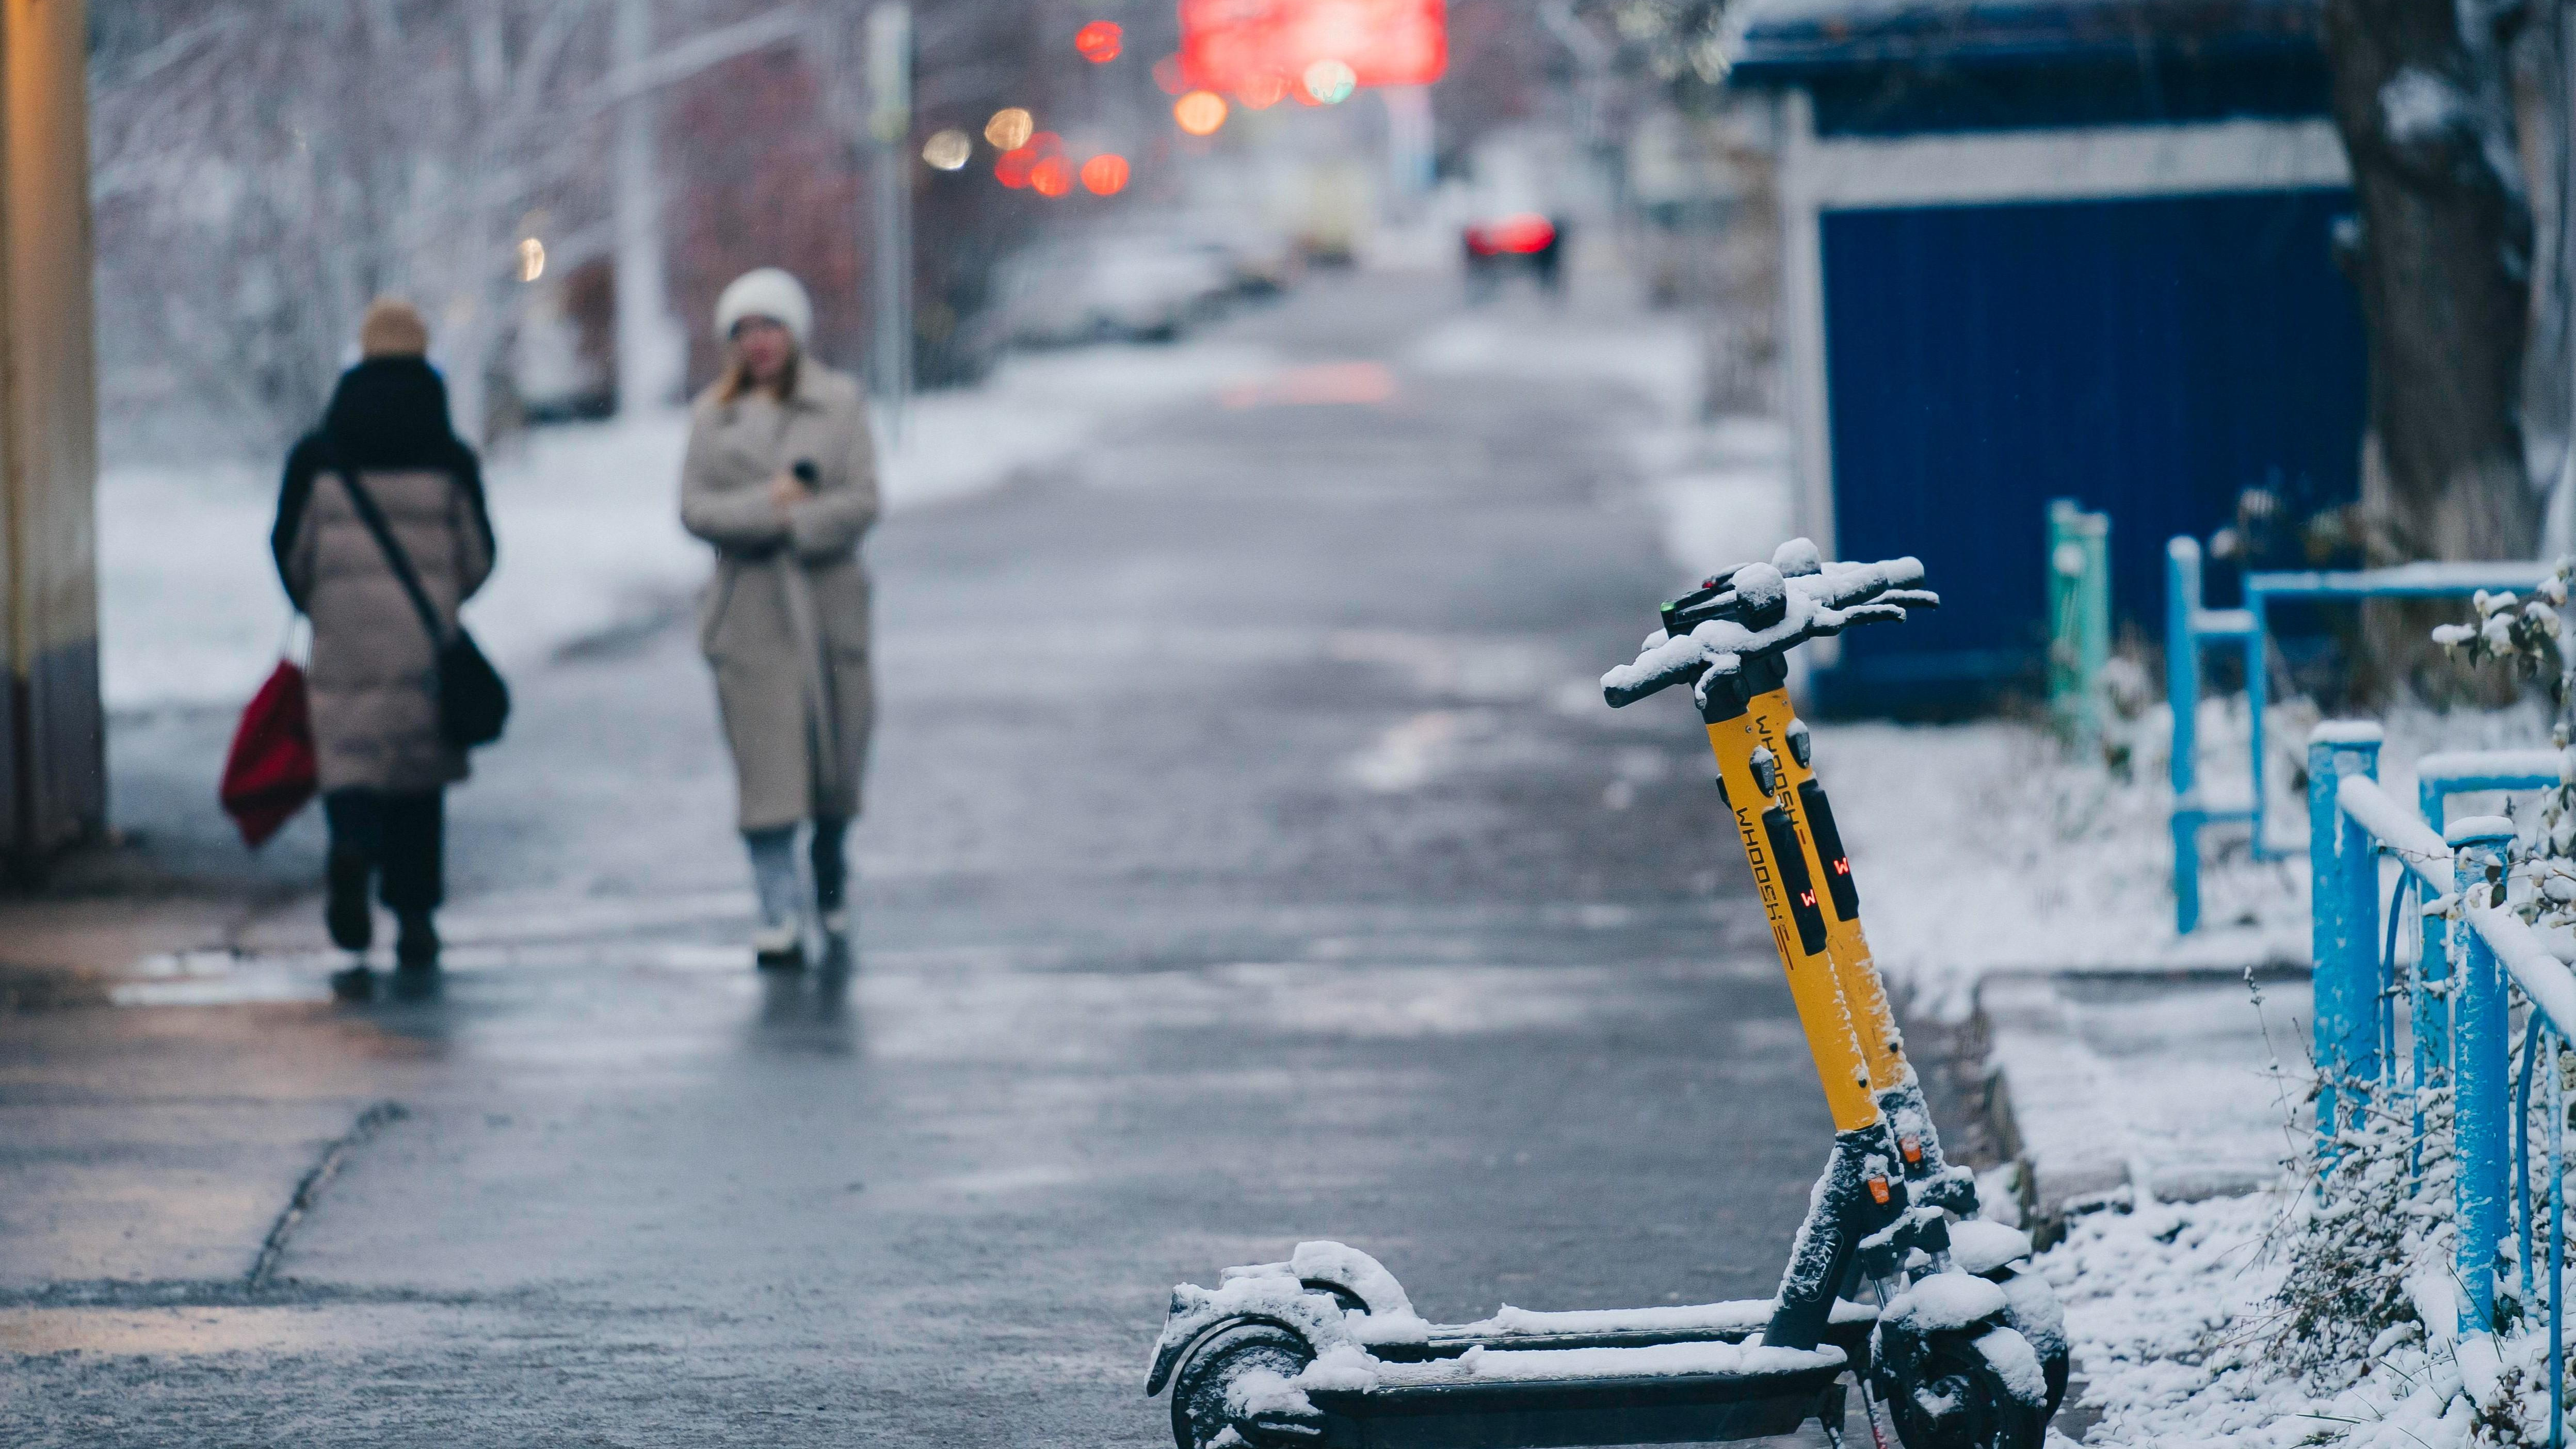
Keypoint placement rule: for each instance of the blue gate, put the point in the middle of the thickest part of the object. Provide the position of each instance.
(2149, 357)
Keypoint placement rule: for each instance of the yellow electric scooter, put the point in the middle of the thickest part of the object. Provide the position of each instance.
(1954, 1344)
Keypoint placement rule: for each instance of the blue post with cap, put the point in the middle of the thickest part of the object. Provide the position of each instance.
(2344, 912)
(2182, 691)
(2481, 1207)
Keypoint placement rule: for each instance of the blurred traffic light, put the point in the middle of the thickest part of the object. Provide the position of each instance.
(1105, 174)
(1099, 41)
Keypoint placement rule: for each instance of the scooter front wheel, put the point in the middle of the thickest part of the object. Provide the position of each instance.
(1972, 1388)
(1221, 1386)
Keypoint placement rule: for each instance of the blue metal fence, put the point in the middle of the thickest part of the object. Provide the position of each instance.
(2461, 1006)
(2191, 629)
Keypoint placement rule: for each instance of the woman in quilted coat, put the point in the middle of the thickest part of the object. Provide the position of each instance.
(384, 765)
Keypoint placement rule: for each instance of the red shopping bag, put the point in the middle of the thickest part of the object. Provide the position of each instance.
(270, 773)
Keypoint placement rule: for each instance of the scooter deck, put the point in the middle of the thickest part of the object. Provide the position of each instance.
(1555, 1399)
(1520, 1329)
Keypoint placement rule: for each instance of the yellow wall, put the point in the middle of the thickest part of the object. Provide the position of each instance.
(52, 771)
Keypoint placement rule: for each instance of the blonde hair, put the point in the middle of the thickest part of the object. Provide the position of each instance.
(735, 380)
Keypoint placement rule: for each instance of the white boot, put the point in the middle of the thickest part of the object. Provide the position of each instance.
(779, 940)
(777, 946)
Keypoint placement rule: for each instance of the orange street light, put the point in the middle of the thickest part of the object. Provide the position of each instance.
(1052, 176)
(1010, 128)
(1200, 113)
(1105, 174)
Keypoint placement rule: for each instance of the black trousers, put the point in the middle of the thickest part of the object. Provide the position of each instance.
(402, 837)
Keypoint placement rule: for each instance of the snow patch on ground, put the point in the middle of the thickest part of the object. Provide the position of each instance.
(1985, 847)
(2159, 1305)
(2169, 1309)
(587, 517)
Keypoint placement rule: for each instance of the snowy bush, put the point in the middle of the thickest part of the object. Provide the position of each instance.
(2368, 1226)
(2528, 638)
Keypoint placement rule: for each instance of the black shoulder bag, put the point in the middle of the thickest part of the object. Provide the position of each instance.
(473, 703)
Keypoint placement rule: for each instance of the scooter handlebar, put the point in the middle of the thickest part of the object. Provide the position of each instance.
(1765, 609)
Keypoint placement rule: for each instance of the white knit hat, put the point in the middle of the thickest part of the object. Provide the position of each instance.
(766, 292)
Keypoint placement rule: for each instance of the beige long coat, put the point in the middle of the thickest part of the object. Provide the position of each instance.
(785, 619)
(375, 713)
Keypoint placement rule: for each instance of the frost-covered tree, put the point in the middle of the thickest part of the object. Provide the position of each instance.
(260, 171)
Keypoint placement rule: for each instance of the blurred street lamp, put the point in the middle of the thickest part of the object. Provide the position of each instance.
(889, 72)
(1200, 113)
(532, 259)
(1052, 176)
(1010, 128)
(948, 150)
(1099, 42)
(1105, 174)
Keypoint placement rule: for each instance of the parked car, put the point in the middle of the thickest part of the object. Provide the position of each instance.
(1127, 286)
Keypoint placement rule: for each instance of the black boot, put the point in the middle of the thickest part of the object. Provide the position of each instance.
(353, 926)
(415, 943)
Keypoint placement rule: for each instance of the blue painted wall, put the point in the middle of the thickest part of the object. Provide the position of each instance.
(2151, 357)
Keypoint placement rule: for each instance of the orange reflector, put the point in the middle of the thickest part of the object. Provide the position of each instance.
(1912, 1147)
(1878, 1191)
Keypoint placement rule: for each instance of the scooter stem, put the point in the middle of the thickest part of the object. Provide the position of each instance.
(1785, 873)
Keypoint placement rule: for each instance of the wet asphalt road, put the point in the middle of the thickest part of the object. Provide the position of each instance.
(1249, 859)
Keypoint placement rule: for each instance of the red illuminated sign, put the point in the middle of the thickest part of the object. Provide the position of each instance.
(1249, 47)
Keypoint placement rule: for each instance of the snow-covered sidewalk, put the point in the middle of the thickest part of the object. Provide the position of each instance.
(587, 516)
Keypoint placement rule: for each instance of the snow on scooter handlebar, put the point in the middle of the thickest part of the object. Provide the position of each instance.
(1761, 609)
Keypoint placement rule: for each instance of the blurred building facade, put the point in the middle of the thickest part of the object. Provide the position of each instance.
(2082, 248)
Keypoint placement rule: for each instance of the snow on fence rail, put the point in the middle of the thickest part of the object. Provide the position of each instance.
(2461, 1010)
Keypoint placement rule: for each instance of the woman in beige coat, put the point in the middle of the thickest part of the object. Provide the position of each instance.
(781, 478)
(385, 767)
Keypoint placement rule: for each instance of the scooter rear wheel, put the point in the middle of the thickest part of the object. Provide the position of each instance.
(1965, 1389)
(1200, 1408)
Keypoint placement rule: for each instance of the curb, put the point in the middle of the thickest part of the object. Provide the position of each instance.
(2041, 1083)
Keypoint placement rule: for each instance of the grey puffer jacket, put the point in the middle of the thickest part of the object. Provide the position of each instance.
(375, 708)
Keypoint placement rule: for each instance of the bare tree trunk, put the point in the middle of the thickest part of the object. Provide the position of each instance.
(2442, 262)
(2441, 257)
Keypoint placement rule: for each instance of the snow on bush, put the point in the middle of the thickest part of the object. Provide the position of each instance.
(2528, 638)
(2318, 1314)
(2368, 1224)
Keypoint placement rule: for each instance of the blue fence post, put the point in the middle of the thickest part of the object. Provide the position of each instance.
(2258, 659)
(2432, 1009)
(2182, 689)
(2344, 910)
(2482, 1047)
